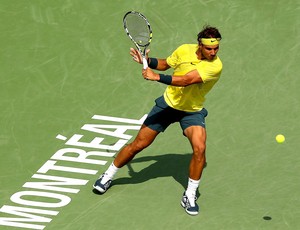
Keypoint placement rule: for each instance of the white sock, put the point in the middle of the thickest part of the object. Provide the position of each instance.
(110, 173)
(192, 187)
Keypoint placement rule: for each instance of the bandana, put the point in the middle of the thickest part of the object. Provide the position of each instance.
(210, 41)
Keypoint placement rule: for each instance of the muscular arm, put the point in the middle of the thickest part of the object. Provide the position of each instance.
(190, 78)
(162, 65)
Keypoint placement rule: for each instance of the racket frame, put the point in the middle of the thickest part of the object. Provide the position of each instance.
(141, 48)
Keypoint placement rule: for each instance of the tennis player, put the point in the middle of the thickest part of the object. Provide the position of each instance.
(196, 70)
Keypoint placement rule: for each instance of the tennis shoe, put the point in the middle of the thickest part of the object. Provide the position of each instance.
(100, 186)
(190, 205)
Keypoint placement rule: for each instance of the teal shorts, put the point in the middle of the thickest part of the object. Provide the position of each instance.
(162, 115)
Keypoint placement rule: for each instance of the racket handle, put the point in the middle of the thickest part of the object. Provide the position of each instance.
(145, 63)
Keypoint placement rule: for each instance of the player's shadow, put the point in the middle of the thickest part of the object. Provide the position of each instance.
(168, 165)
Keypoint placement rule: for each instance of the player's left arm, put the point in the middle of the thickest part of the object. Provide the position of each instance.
(154, 63)
(190, 78)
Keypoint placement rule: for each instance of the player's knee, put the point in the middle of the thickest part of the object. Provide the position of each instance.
(138, 146)
(200, 147)
(199, 151)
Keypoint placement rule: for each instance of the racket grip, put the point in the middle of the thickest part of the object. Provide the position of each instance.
(145, 63)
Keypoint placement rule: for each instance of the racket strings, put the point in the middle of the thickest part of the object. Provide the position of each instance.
(138, 29)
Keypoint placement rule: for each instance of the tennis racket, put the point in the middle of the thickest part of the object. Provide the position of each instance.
(139, 31)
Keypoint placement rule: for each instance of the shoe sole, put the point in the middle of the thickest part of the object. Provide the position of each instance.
(99, 189)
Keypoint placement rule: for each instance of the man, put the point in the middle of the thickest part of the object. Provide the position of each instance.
(196, 69)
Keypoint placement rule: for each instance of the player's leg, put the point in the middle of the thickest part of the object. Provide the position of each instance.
(197, 138)
(143, 139)
(157, 121)
(193, 126)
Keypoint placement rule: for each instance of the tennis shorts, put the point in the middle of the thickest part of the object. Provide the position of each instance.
(162, 115)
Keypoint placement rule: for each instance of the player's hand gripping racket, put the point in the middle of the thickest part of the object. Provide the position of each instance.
(139, 31)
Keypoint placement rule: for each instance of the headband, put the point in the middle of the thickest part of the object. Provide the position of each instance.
(210, 41)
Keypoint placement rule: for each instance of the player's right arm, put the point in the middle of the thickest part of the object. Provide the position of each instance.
(192, 77)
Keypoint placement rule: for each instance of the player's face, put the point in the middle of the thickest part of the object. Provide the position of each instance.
(209, 52)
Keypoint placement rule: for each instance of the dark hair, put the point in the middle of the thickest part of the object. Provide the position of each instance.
(209, 32)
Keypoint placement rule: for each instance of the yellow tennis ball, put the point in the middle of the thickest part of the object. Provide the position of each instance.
(280, 138)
